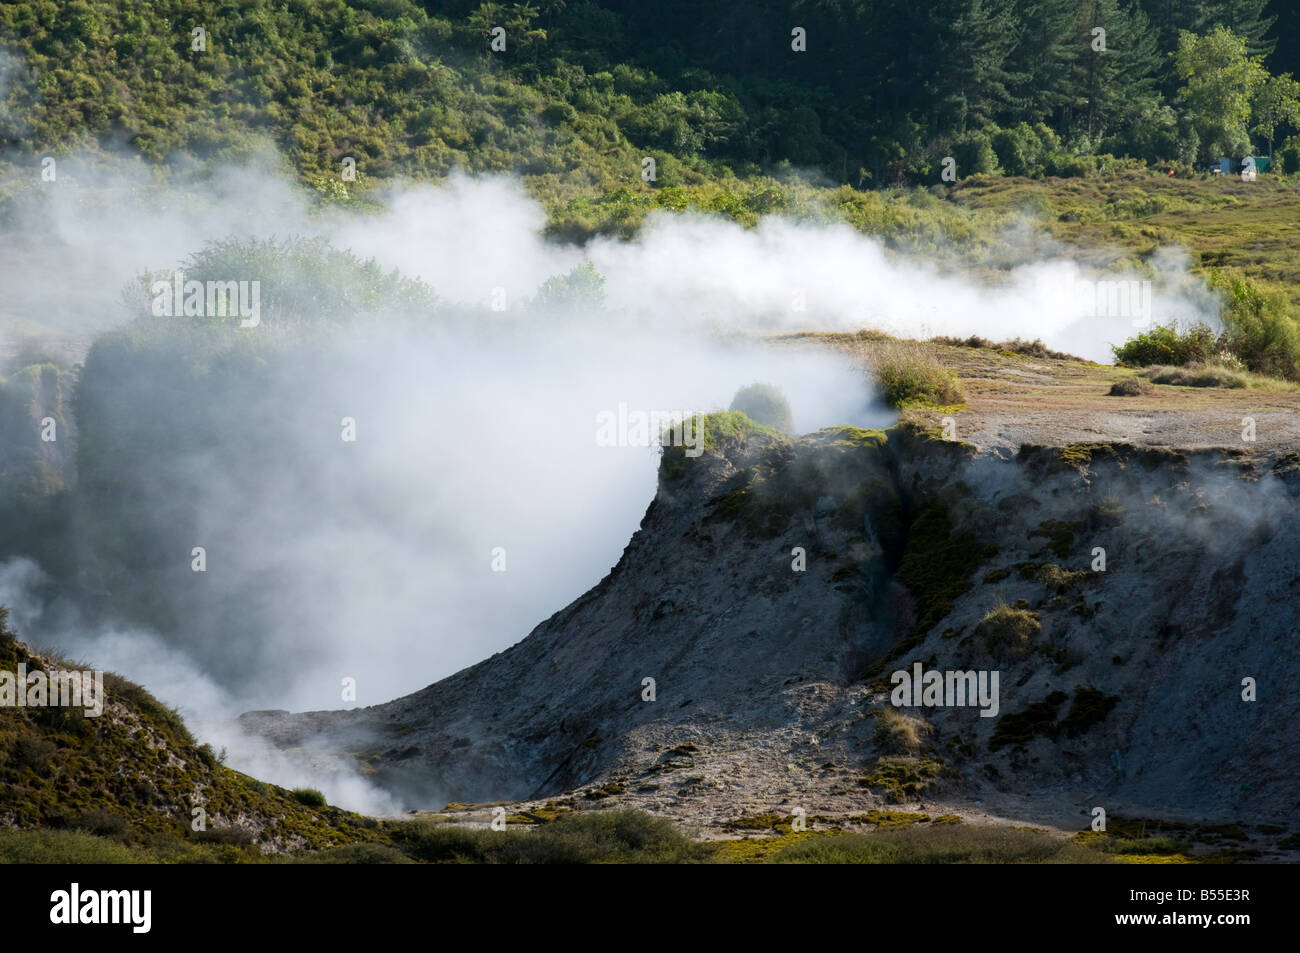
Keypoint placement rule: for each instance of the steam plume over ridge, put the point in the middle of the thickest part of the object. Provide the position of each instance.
(476, 428)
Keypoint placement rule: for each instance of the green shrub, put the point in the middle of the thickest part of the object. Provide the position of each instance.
(1167, 344)
(1290, 155)
(974, 154)
(1130, 387)
(1197, 375)
(102, 823)
(309, 796)
(582, 289)
(353, 854)
(63, 847)
(1258, 327)
(902, 777)
(908, 373)
(1007, 631)
(573, 838)
(35, 752)
(764, 404)
(946, 844)
(1024, 149)
(901, 734)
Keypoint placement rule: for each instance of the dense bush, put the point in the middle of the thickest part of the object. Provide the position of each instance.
(974, 154)
(1007, 631)
(577, 838)
(908, 373)
(764, 404)
(1289, 155)
(585, 90)
(1028, 150)
(947, 844)
(581, 290)
(1259, 329)
(1259, 334)
(1167, 344)
(309, 796)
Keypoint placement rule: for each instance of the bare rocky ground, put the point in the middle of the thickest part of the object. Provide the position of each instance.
(1012, 399)
(1120, 688)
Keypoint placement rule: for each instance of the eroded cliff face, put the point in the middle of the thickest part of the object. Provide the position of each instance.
(1121, 596)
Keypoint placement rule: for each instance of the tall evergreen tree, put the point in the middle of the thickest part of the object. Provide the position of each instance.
(1041, 67)
(973, 40)
(1120, 77)
(1247, 19)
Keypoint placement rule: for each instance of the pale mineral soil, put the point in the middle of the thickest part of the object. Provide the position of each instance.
(1012, 399)
(739, 772)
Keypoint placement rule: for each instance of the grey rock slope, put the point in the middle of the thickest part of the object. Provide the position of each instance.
(1118, 687)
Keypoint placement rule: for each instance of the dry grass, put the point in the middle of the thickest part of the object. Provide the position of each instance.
(907, 373)
(1007, 631)
(949, 844)
(902, 734)
(1213, 374)
(1130, 387)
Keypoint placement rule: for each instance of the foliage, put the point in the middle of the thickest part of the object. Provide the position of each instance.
(582, 289)
(309, 796)
(1006, 632)
(764, 404)
(900, 733)
(1259, 326)
(573, 838)
(908, 374)
(947, 844)
(1220, 79)
(1167, 344)
(584, 91)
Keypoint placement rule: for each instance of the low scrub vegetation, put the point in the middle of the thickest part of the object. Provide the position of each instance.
(1130, 387)
(1260, 336)
(1168, 344)
(907, 374)
(578, 838)
(949, 844)
(1007, 631)
(1034, 348)
(764, 404)
(309, 796)
(900, 733)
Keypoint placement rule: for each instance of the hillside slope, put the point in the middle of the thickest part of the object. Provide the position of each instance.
(134, 775)
(1120, 688)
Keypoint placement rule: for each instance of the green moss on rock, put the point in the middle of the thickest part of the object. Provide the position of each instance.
(938, 563)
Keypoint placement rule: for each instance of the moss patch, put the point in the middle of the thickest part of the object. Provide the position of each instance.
(938, 563)
(1088, 708)
(903, 778)
(843, 465)
(1038, 719)
(1059, 535)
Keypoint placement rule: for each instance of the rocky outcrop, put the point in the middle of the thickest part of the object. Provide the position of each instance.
(1125, 597)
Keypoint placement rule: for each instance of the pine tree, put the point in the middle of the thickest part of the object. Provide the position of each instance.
(1245, 18)
(973, 40)
(1040, 69)
(1116, 71)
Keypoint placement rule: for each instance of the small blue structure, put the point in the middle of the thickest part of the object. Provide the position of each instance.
(1234, 166)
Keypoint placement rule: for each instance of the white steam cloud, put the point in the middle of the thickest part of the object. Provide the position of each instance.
(474, 434)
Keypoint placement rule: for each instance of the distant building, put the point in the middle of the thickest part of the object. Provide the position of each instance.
(1248, 165)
